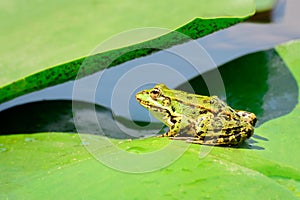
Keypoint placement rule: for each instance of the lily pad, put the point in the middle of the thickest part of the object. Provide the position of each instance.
(60, 166)
(56, 42)
(264, 5)
(94, 63)
(36, 35)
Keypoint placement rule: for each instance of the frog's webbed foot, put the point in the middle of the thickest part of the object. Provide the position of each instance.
(169, 134)
(195, 141)
(192, 140)
(184, 138)
(163, 135)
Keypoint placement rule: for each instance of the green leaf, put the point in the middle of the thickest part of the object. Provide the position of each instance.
(57, 165)
(88, 65)
(38, 34)
(81, 26)
(263, 5)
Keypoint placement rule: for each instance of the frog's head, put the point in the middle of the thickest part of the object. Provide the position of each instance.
(248, 117)
(155, 99)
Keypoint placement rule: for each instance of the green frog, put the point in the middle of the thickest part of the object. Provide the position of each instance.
(196, 118)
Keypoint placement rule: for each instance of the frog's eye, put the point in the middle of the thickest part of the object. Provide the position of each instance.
(155, 93)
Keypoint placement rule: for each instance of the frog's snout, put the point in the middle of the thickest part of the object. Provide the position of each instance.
(139, 96)
(141, 93)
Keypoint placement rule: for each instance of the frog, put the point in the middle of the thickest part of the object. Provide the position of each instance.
(197, 119)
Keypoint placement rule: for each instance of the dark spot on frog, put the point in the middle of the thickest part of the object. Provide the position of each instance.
(238, 137)
(201, 133)
(236, 119)
(206, 101)
(202, 112)
(237, 132)
(173, 108)
(228, 130)
(174, 119)
(189, 97)
(227, 117)
(234, 130)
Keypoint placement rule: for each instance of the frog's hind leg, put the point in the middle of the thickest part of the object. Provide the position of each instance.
(205, 141)
(192, 140)
(213, 141)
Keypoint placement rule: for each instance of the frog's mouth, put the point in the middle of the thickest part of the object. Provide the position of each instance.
(147, 105)
(139, 99)
(143, 103)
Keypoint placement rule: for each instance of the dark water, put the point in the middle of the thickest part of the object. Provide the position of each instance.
(57, 116)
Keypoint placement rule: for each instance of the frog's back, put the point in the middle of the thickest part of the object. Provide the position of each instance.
(204, 104)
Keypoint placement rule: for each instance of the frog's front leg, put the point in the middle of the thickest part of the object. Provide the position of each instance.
(174, 125)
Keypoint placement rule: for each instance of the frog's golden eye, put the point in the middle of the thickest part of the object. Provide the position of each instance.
(155, 93)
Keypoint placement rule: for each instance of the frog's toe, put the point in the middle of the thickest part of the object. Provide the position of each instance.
(167, 134)
(195, 141)
(184, 138)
